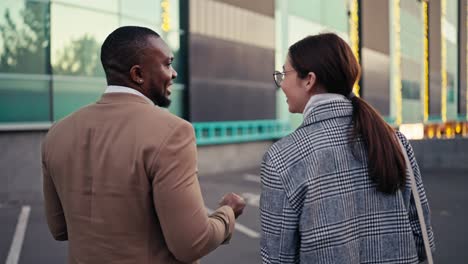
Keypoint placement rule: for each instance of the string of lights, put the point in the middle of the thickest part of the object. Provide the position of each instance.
(354, 37)
(165, 16)
(426, 60)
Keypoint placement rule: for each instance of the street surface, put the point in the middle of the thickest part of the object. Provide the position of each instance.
(24, 237)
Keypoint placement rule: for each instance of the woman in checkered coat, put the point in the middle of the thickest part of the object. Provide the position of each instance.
(336, 189)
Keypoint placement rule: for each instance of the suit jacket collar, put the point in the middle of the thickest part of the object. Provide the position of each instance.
(339, 107)
(116, 98)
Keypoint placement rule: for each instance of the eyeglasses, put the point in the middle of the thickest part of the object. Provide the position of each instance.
(279, 77)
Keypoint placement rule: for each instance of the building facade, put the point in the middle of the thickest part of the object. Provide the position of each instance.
(413, 55)
(50, 54)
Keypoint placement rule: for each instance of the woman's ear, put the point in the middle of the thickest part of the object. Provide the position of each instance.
(311, 80)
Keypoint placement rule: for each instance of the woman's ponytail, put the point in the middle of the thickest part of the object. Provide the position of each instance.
(386, 162)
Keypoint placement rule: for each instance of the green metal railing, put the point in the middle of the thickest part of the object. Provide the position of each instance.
(208, 133)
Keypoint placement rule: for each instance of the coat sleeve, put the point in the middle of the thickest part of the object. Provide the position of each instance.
(279, 241)
(53, 206)
(188, 230)
(413, 214)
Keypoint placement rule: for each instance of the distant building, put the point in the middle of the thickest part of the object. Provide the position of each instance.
(413, 54)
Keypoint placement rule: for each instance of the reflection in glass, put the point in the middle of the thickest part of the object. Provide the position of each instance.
(64, 38)
(24, 41)
(99, 5)
(298, 19)
(81, 57)
(76, 42)
(24, 61)
(144, 11)
(412, 61)
(75, 55)
(451, 39)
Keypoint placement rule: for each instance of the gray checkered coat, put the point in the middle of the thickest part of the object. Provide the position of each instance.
(318, 204)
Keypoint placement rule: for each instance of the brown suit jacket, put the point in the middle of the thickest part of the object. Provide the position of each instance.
(120, 184)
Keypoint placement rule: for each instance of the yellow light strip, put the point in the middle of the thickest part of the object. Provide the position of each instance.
(165, 16)
(443, 61)
(354, 37)
(397, 61)
(466, 111)
(426, 61)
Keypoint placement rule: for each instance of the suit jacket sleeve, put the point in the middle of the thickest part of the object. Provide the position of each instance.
(188, 230)
(53, 206)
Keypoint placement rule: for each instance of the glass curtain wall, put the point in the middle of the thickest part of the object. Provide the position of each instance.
(50, 52)
(24, 61)
(450, 59)
(296, 19)
(412, 61)
(376, 59)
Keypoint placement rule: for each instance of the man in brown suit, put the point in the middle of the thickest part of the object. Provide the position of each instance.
(120, 175)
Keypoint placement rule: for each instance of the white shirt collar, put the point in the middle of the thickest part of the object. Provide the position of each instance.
(319, 98)
(124, 89)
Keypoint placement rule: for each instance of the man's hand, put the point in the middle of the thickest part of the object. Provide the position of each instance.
(234, 201)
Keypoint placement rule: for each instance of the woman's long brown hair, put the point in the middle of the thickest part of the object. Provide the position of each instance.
(337, 70)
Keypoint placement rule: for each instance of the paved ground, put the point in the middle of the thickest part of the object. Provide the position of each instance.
(446, 190)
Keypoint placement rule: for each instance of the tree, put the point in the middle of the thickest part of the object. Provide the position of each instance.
(80, 58)
(26, 42)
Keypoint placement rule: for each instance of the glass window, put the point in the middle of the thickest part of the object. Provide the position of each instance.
(331, 15)
(50, 50)
(309, 9)
(412, 60)
(304, 18)
(451, 39)
(111, 6)
(75, 55)
(24, 61)
(147, 11)
(76, 42)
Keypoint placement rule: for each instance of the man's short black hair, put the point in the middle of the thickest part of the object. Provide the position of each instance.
(123, 48)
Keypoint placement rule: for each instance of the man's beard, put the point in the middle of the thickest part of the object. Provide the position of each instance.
(160, 98)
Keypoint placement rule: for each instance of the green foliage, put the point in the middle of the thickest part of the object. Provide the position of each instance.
(81, 57)
(26, 42)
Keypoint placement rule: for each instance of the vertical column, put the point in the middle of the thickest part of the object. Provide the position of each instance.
(281, 38)
(464, 30)
(435, 42)
(443, 60)
(354, 33)
(426, 61)
(463, 60)
(395, 62)
(375, 54)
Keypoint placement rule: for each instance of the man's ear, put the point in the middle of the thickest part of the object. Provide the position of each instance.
(311, 81)
(136, 74)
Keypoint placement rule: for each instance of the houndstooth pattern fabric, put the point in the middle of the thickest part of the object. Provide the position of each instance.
(318, 204)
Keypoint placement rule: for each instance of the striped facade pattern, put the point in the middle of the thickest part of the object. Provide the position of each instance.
(231, 57)
(228, 22)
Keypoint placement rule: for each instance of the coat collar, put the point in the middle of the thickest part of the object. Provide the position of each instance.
(115, 98)
(125, 89)
(328, 109)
